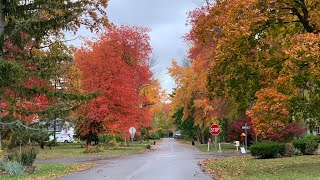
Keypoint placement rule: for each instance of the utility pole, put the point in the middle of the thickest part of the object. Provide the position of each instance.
(54, 115)
(2, 26)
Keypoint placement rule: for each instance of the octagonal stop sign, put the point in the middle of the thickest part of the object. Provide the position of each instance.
(215, 129)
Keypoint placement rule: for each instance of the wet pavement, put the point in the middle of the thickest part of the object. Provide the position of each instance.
(170, 160)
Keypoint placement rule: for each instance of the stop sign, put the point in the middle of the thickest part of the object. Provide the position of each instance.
(215, 129)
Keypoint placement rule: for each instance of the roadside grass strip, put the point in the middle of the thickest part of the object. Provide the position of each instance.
(74, 151)
(249, 168)
(51, 171)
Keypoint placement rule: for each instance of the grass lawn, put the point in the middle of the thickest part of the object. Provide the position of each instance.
(298, 167)
(51, 171)
(225, 147)
(77, 150)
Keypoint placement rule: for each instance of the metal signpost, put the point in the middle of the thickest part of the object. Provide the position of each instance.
(215, 130)
(132, 130)
(245, 127)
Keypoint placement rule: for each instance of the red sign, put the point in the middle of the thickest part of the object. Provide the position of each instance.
(215, 129)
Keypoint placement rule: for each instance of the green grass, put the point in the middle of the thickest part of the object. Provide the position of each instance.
(77, 150)
(51, 171)
(225, 147)
(299, 167)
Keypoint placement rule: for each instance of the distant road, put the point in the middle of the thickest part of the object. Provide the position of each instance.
(171, 161)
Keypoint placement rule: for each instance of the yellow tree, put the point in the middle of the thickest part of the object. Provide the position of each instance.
(269, 115)
(254, 45)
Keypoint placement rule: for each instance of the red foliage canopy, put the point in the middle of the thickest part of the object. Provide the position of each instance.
(116, 65)
(235, 129)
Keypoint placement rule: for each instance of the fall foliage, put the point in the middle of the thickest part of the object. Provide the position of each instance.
(116, 66)
(33, 54)
(259, 57)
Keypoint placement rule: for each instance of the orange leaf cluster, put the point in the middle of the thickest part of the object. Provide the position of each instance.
(116, 66)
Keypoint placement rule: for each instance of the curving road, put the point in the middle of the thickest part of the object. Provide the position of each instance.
(171, 160)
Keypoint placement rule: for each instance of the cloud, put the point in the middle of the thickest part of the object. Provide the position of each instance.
(165, 18)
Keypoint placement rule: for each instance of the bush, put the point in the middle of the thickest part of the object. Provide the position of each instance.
(28, 157)
(300, 144)
(297, 152)
(287, 134)
(267, 149)
(113, 143)
(148, 147)
(313, 137)
(307, 146)
(289, 150)
(13, 156)
(311, 147)
(92, 149)
(13, 167)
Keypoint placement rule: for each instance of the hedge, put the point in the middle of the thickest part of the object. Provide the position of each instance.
(267, 149)
(306, 146)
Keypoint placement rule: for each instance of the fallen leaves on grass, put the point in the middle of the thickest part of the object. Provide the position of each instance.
(72, 169)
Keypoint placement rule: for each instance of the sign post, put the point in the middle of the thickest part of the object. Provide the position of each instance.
(132, 130)
(215, 130)
(245, 127)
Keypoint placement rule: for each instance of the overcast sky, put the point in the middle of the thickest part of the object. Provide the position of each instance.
(166, 19)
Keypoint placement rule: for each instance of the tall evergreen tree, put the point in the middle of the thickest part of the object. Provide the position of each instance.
(33, 53)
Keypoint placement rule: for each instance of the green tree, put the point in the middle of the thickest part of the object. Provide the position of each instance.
(33, 53)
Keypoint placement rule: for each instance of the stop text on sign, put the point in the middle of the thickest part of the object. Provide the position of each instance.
(215, 129)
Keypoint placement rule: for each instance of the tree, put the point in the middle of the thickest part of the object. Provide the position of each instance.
(32, 53)
(270, 113)
(253, 46)
(235, 129)
(116, 66)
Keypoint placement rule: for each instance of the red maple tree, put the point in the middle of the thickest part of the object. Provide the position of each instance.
(116, 66)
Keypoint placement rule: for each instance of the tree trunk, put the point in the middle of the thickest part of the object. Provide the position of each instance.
(89, 138)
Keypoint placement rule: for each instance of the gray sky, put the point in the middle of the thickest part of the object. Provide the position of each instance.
(166, 19)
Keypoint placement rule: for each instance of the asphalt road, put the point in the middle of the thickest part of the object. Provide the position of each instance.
(171, 161)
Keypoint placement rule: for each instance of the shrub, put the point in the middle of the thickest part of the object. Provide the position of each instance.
(306, 146)
(311, 147)
(267, 149)
(148, 146)
(300, 144)
(113, 143)
(297, 152)
(287, 134)
(317, 139)
(13, 167)
(313, 137)
(289, 150)
(235, 129)
(92, 149)
(28, 157)
(13, 156)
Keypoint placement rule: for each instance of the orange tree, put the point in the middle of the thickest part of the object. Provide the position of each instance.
(116, 66)
(254, 46)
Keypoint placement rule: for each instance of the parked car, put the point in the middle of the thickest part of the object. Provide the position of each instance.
(66, 138)
(177, 135)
